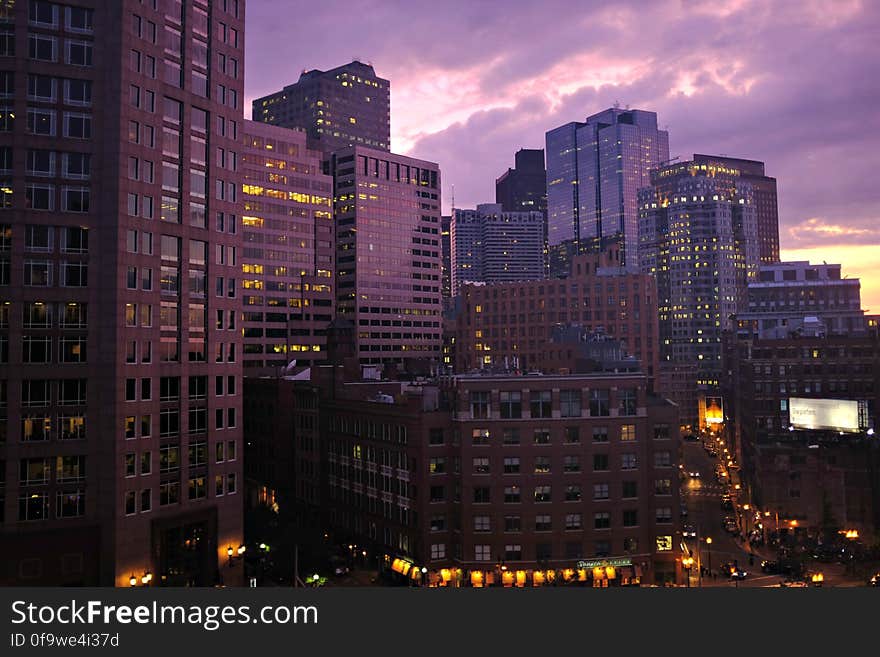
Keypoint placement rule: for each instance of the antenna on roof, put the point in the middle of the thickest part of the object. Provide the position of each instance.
(453, 198)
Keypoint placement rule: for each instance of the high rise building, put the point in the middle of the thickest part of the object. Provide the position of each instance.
(387, 215)
(120, 374)
(446, 256)
(698, 237)
(764, 191)
(488, 245)
(787, 298)
(594, 172)
(287, 263)
(346, 106)
(524, 188)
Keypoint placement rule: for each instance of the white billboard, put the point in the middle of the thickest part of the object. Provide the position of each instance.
(833, 414)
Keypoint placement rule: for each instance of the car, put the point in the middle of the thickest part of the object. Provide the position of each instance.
(695, 474)
(339, 565)
(875, 580)
(688, 530)
(770, 567)
(738, 574)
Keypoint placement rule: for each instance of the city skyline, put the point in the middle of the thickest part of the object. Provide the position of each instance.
(737, 81)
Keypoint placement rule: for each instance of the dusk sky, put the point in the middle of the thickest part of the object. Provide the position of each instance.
(792, 83)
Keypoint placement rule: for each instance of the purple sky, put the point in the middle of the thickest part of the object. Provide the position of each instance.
(794, 83)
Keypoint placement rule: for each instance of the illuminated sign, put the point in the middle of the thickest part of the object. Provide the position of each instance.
(714, 410)
(833, 414)
(601, 563)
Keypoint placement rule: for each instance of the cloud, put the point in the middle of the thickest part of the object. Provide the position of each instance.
(792, 83)
(816, 231)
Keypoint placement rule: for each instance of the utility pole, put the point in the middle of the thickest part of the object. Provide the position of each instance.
(297, 582)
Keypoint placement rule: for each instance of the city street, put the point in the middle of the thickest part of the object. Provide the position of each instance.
(703, 496)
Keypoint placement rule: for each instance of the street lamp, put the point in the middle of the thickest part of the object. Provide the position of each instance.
(687, 562)
(709, 552)
(234, 554)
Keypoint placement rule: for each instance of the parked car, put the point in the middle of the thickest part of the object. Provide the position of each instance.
(688, 530)
(770, 567)
(694, 474)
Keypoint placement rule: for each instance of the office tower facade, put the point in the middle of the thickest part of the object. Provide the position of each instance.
(764, 191)
(698, 237)
(446, 256)
(287, 256)
(524, 188)
(346, 106)
(388, 262)
(121, 437)
(511, 324)
(594, 172)
(488, 245)
(788, 298)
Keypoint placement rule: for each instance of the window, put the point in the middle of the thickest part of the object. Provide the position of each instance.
(42, 47)
(481, 495)
(482, 553)
(78, 92)
(628, 461)
(78, 53)
(437, 494)
(570, 403)
(543, 523)
(169, 493)
(435, 436)
(541, 436)
(479, 404)
(572, 435)
(41, 122)
(438, 551)
(573, 493)
(72, 392)
(540, 403)
(510, 436)
(41, 88)
(511, 404)
(438, 523)
(626, 398)
(661, 431)
(75, 199)
(482, 524)
(437, 465)
(76, 165)
(600, 434)
(70, 504)
(662, 459)
(512, 495)
(664, 515)
(600, 491)
(542, 465)
(38, 273)
(146, 500)
(630, 518)
(74, 274)
(511, 465)
(600, 462)
(571, 463)
(77, 126)
(480, 436)
(34, 506)
(78, 19)
(601, 520)
(599, 405)
(573, 521)
(39, 197)
(627, 432)
(542, 493)
(480, 465)
(39, 238)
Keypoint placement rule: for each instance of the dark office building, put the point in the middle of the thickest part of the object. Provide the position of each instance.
(764, 192)
(120, 374)
(524, 188)
(346, 106)
(446, 254)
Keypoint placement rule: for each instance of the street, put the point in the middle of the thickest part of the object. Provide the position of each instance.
(702, 496)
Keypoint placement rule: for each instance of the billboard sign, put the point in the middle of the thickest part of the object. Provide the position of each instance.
(714, 410)
(830, 414)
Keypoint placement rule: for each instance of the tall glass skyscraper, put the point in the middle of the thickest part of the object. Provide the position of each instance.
(594, 172)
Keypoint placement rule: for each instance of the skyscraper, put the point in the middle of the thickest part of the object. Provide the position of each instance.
(764, 190)
(120, 405)
(387, 215)
(489, 245)
(346, 106)
(594, 172)
(446, 256)
(287, 265)
(698, 236)
(524, 188)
